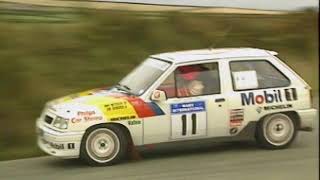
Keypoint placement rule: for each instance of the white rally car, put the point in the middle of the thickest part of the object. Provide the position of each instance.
(187, 95)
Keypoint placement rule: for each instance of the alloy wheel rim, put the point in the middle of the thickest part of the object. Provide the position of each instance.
(278, 129)
(102, 145)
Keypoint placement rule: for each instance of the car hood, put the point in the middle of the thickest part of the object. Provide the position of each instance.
(111, 105)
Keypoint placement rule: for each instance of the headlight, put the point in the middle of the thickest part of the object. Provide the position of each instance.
(60, 123)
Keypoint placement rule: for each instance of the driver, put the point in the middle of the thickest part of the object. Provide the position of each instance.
(188, 82)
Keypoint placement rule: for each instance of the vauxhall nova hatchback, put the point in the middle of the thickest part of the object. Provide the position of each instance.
(179, 96)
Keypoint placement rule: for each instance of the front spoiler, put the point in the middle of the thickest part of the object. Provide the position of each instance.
(60, 144)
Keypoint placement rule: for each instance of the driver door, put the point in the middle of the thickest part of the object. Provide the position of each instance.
(191, 91)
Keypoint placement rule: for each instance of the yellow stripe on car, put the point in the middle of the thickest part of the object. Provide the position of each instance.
(113, 108)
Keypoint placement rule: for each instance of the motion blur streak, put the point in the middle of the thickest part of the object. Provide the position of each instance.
(50, 52)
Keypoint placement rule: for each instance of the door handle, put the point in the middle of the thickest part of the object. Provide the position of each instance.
(219, 100)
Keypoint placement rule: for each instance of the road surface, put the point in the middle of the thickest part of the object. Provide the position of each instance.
(241, 160)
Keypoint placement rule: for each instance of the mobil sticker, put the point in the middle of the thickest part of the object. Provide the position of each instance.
(272, 96)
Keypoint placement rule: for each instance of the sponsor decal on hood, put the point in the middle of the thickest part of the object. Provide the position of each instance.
(114, 106)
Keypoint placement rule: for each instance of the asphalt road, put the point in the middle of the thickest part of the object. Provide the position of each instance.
(241, 160)
(221, 161)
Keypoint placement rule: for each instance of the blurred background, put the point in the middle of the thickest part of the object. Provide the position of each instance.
(57, 48)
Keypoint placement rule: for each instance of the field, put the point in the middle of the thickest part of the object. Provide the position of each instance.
(50, 52)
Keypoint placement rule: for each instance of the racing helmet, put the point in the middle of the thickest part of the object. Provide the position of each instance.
(189, 73)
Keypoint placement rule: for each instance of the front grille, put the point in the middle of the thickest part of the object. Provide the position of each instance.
(48, 119)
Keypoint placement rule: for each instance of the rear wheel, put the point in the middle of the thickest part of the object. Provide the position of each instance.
(104, 145)
(276, 131)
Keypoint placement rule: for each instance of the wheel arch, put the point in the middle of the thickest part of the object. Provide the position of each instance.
(123, 133)
(292, 114)
(263, 141)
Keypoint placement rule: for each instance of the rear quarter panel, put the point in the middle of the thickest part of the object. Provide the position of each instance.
(258, 103)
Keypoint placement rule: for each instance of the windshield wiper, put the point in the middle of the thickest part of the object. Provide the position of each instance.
(124, 88)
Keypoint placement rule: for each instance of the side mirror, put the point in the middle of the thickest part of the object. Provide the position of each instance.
(158, 95)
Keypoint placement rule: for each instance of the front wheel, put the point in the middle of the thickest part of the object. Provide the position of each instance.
(103, 145)
(276, 131)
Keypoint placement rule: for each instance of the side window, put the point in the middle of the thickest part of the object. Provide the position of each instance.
(268, 76)
(192, 80)
(169, 86)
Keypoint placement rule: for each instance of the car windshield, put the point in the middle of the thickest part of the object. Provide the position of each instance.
(143, 76)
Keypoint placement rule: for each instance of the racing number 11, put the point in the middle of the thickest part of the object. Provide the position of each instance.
(184, 123)
(188, 119)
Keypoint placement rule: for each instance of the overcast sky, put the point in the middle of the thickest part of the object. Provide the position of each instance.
(252, 4)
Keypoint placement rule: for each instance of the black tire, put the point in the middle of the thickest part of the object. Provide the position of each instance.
(104, 145)
(276, 131)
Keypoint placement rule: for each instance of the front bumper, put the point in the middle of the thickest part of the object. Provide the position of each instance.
(308, 119)
(61, 144)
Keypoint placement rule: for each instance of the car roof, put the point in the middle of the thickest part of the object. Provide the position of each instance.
(206, 54)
